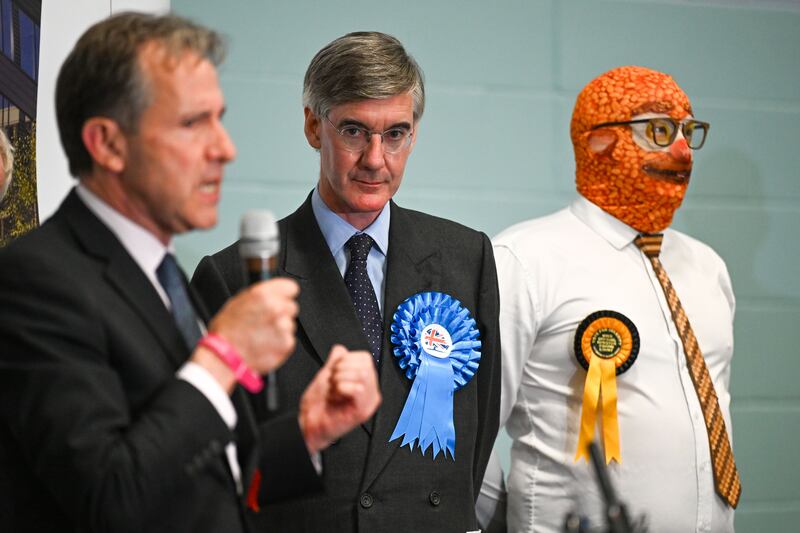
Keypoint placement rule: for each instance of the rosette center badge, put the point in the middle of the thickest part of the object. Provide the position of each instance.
(436, 342)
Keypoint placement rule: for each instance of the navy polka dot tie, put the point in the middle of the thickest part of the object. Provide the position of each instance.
(362, 292)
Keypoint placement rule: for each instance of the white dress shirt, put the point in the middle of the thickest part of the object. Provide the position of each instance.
(553, 272)
(148, 252)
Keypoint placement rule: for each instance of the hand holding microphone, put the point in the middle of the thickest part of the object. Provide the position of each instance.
(258, 324)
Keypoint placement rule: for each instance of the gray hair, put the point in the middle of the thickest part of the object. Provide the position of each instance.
(7, 154)
(102, 77)
(360, 66)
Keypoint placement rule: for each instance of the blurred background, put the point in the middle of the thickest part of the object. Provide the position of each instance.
(494, 149)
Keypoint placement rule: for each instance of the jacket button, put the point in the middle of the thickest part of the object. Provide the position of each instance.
(366, 500)
(435, 498)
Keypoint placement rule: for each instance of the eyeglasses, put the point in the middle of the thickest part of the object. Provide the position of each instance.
(663, 130)
(356, 138)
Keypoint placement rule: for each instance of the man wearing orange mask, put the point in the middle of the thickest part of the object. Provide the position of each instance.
(590, 299)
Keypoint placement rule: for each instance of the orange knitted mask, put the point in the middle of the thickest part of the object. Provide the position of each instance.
(640, 185)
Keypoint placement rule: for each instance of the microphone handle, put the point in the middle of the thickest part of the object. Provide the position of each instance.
(616, 513)
(261, 269)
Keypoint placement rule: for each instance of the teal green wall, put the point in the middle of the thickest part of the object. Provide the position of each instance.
(494, 149)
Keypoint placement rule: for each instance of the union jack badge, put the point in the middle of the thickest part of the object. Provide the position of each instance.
(436, 341)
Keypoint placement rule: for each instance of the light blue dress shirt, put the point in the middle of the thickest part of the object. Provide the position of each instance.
(338, 231)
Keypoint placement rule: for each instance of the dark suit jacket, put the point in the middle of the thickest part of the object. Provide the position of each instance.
(371, 484)
(96, 432)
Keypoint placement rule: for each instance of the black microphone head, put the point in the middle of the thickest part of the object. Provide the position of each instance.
(258, 235)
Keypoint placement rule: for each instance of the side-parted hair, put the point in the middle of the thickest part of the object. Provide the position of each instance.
(360, 66)
(7, 154)
(102, 77)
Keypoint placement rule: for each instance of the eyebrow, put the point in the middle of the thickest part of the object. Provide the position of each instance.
(653, 107)
(353, 122)
(204, 114)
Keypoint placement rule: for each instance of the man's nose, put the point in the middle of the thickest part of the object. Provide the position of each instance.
(680, 150)
(223, 147)
(372, 157)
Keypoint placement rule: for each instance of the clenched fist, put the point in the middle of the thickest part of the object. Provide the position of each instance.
(343, 394)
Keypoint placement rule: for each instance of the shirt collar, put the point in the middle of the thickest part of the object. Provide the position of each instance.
(616, 232)
(143, 246)
(337, 231)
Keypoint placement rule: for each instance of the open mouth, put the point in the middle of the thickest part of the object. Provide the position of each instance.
(679, 176)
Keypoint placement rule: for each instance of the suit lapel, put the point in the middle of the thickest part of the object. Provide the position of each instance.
(326, 314)
(126, 278)
(412, 267)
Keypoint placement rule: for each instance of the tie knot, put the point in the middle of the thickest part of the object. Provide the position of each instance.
(359, 245)
(649, 244)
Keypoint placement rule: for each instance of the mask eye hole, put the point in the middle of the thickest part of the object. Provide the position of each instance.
(661, 131)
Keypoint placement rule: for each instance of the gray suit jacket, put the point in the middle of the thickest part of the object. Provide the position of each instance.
(372, 484)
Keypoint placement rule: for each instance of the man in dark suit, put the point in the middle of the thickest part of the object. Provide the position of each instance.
(117, 412)
(357, 256)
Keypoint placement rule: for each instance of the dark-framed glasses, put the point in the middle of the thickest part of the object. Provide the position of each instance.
(663, 130)
(356, 138)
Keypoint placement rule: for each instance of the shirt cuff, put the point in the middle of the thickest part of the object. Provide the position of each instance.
(203, 381)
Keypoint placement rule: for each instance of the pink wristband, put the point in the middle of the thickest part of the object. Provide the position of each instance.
(249, 379)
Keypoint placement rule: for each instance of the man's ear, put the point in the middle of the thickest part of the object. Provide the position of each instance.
(414, 136)
(106, 143)
(311, 128)
(601, 142)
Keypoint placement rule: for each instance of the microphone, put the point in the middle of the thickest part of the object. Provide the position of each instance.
(259, 245)
(616, 513)
(258, 248)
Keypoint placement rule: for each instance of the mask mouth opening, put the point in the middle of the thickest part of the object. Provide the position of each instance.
(679, 176)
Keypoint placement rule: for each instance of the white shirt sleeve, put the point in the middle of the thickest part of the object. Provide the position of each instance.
(490, 508)
(518, 324)
(203, 381)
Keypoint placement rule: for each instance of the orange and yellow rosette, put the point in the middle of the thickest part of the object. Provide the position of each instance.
(606, 345)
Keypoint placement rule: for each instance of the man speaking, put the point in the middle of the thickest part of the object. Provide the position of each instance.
(119, 408)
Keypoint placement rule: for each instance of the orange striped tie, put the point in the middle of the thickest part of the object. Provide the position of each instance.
(726, 476)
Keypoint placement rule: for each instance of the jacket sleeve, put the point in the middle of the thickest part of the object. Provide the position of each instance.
(285, 467)
(218, 277)
(489, 373)
(72, 365)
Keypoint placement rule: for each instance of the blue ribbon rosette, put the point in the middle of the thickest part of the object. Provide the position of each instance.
(437, 345)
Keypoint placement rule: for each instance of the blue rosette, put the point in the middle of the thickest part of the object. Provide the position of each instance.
(436, 342)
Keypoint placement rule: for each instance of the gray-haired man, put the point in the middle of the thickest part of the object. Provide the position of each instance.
(117, 412)
(358, 257)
